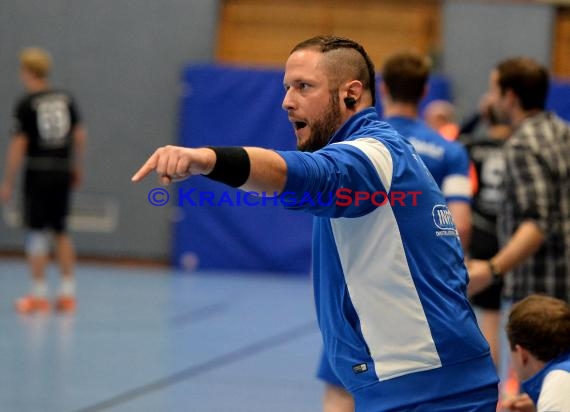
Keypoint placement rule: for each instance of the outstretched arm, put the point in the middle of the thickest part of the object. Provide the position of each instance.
(267, 169)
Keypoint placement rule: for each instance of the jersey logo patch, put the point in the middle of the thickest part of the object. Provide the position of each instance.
(443, 221)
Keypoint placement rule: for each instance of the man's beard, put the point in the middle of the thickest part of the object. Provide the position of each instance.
(323, 128)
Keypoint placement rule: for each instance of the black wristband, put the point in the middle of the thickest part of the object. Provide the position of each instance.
(497, 275)
(232, 166)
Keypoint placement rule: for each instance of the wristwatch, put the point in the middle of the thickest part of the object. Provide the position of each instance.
(496, 273)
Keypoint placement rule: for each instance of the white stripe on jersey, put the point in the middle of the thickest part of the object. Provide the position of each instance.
(379, 155)
(456, 185)
(380, 284)
(383, 293)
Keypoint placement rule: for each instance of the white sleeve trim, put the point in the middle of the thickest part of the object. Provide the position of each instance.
(379, 155)
(456, 185)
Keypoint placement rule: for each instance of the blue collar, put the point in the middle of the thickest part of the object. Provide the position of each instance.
(353, 124)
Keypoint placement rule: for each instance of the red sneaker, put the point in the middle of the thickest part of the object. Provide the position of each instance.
(66, 304)
(30, 304)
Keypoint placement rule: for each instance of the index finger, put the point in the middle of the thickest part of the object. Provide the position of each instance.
(148, 167)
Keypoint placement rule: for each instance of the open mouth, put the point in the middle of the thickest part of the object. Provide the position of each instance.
(299, 125)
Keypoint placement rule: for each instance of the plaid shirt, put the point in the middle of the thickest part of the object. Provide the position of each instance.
(537, 188)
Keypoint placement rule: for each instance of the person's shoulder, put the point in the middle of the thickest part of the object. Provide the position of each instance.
(558, 374)
(379, 130)
(379, 136)
(455, 146)
(423, 130)
(450, 146)
(524, 137)
(427, 133)
(554, 394)
(405, 123)
(24, 99)
(558, 121)
(24, 104)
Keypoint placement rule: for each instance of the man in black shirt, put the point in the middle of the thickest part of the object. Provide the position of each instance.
(485, 147)
(49, 138)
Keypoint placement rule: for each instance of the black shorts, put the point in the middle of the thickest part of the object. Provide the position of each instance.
(490, 297)
(485, 246)
(46, 199)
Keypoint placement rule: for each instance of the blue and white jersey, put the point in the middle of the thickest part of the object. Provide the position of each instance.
(389, 281)
(447, 161)
(555, 391)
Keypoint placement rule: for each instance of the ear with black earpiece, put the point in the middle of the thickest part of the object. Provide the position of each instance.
(350, 102)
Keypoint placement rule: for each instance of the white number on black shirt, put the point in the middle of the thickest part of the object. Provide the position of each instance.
(53, 122)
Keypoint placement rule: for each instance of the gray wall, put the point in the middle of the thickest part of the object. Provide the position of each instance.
(122, 60)
(478, 34)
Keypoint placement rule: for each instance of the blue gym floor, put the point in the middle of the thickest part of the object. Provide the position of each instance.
(157, 340)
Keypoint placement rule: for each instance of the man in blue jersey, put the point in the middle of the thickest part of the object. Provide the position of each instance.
(539, 336)
(404, 84)
(389, 279)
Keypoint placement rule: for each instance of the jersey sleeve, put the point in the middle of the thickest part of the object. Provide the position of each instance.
(456, 185)
(74, 113)
(20, 118)
(347, 179)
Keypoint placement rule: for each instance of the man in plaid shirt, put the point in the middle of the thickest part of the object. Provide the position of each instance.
(534, 223)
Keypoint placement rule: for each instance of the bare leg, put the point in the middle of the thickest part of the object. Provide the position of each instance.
(66, 259)
(336, 399)
(65, 254)
(38, 264)
(37, 255)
